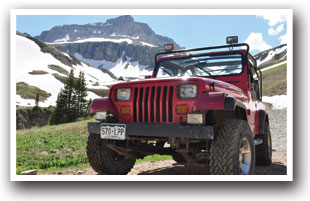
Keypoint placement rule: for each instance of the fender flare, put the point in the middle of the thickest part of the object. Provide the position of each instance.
(263, 118)
(231, 103)
(102, 104)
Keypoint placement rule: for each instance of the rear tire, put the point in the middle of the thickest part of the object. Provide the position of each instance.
(232, 152)
(264, 150)
(105, 161)
(177, 157)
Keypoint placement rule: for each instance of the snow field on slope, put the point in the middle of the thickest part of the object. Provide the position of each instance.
(118, 67)
(271, 54)
(29, 57)
(114, 40)
(278, 101)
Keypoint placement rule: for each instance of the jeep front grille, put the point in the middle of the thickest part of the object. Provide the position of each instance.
(153, 104)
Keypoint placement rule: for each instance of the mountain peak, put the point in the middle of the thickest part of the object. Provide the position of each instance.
(124, 19)
(119, 27)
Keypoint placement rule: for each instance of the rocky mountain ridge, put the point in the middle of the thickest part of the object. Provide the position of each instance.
(271, 56)
(119, 27)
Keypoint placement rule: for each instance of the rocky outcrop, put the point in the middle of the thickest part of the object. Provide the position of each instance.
(31, 117)
(110, 51)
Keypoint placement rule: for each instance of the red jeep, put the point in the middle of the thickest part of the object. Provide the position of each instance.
(202, 106)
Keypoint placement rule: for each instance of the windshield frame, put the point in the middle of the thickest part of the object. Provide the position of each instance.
(222, 53)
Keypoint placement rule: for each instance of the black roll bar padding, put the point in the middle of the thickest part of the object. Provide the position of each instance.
(205, 48)
(261, 84)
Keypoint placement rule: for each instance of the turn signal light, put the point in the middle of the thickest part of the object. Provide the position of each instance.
(125, 110)
(181, 109)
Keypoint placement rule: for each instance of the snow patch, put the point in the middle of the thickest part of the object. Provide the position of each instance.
(148, 44)
(65, 39)
(278, 101)
(119, 40)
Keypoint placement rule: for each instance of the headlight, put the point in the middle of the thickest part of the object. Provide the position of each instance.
(101, 115)
(188, 91)
(123, 94)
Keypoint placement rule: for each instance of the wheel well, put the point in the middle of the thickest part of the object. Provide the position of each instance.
(267, 119)
(216, 117)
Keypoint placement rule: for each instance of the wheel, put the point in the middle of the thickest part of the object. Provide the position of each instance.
(264, 150)
(105, 161)
(177, 157)
(232, 152)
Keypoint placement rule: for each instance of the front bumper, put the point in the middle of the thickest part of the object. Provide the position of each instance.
(161, 130)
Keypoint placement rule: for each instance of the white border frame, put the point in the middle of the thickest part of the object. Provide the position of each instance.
(287, 12)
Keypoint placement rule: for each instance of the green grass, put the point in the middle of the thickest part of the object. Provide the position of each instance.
(38, 72)
(155, 157)
(49, 147)
(272, 63)
(273, 86)
(57, 148)
(274, 69)
(59, 77)
(30, 92)
(58, 69)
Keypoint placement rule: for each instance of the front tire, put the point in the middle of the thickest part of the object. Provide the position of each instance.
(105, 161)
(232, 152)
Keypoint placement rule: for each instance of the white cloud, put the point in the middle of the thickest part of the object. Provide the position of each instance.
(283, 38)
(273, 31)
(256, 42)
(273, 19)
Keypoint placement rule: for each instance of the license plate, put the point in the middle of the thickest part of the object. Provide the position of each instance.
(113, 131)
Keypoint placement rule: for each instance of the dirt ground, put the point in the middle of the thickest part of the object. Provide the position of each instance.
(170, 167)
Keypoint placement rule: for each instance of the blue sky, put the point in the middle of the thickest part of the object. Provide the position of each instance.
(190, 31)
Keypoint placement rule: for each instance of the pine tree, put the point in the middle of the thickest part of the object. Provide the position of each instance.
(58, 114)
(71, 101)
(81, 101)
(37, 100)
(69, 94)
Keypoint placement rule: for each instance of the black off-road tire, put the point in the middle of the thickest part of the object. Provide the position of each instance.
(105, 161)
(225, 149)
(264, 150)
(177, 157)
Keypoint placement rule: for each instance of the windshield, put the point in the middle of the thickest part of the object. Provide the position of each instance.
(201, 66)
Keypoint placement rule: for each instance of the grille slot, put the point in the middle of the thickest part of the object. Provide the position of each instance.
(164, 105)
(158, 104)
(146, 104)
(170, 103)
(140, 104)
(135, 105)
(153, 104)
